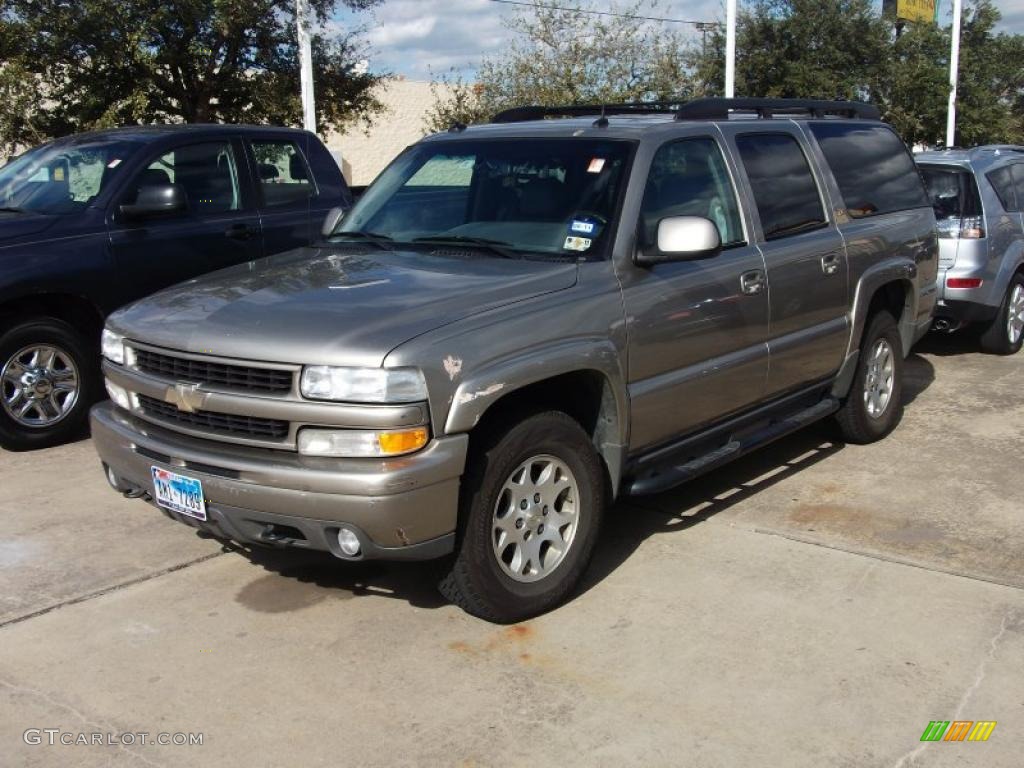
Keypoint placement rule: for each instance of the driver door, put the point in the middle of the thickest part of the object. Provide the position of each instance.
(697, 329)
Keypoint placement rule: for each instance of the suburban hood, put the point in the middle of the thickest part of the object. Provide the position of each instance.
(333, 306)
(17, 226)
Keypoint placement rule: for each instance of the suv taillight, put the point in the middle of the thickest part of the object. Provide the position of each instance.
(967, 228)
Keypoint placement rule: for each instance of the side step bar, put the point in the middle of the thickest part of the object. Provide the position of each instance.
(668, 475)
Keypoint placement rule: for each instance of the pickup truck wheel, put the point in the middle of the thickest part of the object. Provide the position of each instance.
(874, 405)
(532, 501)
(48, 380)
(1005, 335)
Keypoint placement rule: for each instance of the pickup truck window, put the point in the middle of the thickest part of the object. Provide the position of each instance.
(872, 167)
(283, 173)
(63, 177)
(207, 171)
(690, 178)
(784, 189)
(532, 195)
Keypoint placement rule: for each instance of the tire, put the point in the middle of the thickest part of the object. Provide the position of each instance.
(486, 579)
(863, 417)
(1005, 334)
(70, 377)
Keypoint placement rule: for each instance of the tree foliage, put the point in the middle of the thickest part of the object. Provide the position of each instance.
(95, 63)
(785, 48)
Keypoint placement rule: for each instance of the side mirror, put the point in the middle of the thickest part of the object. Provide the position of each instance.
(682, 238)
(156, 200)
(334, 217)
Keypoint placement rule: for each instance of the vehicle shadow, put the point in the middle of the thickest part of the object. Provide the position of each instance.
(949, 344)
(311, 576)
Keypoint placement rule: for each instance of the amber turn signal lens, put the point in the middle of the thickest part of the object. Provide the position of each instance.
(405, 441)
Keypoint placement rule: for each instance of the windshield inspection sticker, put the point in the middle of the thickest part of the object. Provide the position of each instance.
(596, 165)
(583, 226)
(114, 163)
(577, 243)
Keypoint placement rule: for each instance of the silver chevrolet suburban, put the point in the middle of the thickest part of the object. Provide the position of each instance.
(522, 321)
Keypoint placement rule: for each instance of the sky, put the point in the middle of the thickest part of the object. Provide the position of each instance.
(418, 38)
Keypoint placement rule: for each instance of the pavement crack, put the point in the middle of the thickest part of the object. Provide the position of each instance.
(911, 757)
(107, 590)
(48, 699)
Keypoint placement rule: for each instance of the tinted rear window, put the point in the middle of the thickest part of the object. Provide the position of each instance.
(872, 167)
(953, 193)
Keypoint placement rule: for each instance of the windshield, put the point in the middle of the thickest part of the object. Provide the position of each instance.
(61, 178)
(541, 196)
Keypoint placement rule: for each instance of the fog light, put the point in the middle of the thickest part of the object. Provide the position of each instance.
(348, 541)
(118, 394)
(112, 479)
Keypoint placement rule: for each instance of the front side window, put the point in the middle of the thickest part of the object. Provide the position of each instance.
(954, 197)
(872, 167)
(690, 178)
(283, 173)
(531, 196)
(206, 172)
(61, 178)
(785, 192)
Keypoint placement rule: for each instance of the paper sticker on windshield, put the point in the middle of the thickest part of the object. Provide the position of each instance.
(58, 174)
(596, 165)
(114, 163)
(577, 243)
(584, 227)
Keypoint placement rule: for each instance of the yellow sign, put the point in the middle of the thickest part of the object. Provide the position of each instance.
(912, 10)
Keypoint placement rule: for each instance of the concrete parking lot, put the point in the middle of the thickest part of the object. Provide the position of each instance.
(812, 605)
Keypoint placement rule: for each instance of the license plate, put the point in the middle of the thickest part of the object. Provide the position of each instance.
(179, 493)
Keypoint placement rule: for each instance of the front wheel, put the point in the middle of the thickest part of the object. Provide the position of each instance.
(1005, 335)
(874, 405)
(531, 507)
(48, 380)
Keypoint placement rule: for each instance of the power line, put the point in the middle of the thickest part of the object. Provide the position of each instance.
(695, 22)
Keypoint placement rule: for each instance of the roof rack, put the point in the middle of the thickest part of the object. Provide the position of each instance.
(699, 109)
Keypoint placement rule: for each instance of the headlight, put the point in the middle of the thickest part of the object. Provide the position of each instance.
(358, 443)
(112, 346)
(363, 385)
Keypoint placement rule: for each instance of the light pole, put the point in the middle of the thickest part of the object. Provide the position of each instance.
(954, 65)
(305, 66)
(730, 49)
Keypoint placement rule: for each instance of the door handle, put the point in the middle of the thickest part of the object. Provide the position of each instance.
(239, 232)
(752, 282)
(830, 263)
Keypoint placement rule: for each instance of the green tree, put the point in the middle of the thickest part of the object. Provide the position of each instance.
(97, 63)
(561, 55)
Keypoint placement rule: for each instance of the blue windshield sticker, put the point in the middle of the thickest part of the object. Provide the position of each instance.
(583, 226)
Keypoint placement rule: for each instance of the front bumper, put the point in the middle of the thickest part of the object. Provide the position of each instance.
(401, 508)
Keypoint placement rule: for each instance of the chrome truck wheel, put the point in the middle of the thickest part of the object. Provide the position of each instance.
(40, 385)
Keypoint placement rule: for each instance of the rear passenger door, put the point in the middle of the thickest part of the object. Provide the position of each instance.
(219, 228)
(285, 192)
(805, 258)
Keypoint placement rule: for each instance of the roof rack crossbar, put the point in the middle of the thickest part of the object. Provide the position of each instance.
(698, 109)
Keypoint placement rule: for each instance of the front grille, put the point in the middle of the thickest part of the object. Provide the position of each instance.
(222, 423)
(214, 374)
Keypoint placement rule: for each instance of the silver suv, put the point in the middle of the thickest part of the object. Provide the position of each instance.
(978, 195)
(520, 322)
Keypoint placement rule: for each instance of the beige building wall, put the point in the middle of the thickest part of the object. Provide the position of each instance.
(364, 153)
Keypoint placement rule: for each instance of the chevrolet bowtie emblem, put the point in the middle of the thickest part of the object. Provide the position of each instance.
(186, 397)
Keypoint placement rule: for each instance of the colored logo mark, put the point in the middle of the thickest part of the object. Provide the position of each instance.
(958, 730)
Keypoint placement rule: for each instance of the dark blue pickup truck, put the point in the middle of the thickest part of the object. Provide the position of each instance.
(91, 222)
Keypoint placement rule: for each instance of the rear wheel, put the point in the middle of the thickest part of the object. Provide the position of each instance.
(531, 508)
(48, 380)
(1005, 335)
(874, 406)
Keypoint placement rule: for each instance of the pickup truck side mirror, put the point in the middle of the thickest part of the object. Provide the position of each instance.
(334, 217)
(156, 200)
(682, 238)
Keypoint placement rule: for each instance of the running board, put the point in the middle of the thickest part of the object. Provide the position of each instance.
(668, 475)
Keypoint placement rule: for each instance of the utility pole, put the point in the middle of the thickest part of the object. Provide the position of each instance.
(305, 66)
(954, 65)
(730, 49)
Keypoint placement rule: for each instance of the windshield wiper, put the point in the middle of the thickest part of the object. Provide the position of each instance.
(10, 209)
(381, 241)
(499, 247)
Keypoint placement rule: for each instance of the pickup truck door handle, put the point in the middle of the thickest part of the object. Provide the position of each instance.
(830, 263)
(752, 282)
(239, 232)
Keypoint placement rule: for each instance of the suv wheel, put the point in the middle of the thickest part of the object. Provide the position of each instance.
(1006, 333)
(531, 506)
(47, 383)
(874, 405)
